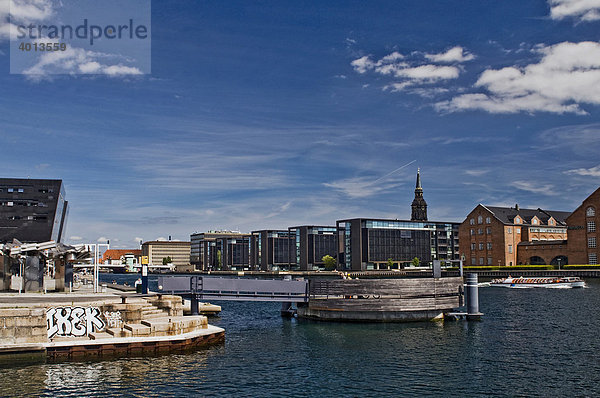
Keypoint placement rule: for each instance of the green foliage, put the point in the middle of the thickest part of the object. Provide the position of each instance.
(507, 268)
(219, 259)
(166, 260)
(390, 263)
(415, 262)
(580, 266)
(329, 262)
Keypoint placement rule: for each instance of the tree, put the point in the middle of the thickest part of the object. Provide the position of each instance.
(329, 262)
(167, 260)
(390, 263)
(415, 262)
(219, 259)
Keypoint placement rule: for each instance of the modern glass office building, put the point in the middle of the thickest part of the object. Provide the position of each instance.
(370, 244)
(211, 250)
(32, 210)
(310, 243)
(271, 250)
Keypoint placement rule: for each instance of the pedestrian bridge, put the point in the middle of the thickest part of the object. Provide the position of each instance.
(235, 289)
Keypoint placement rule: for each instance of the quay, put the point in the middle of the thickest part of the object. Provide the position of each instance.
(83, 326)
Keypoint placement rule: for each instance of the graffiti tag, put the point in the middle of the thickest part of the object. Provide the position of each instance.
(113, 319)
(73, 321)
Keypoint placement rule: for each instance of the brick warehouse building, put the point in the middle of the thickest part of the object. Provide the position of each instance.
(583, 235)
(492, 235)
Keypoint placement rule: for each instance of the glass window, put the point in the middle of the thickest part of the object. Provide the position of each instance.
(590, 211)
(488, 220)
(518, 230)
(10, 190)
(472, 246)
(510, 250)
(479, 219)
(489, 245)
(481, 260)
(480, 246)
(472, 221)
(20, 190)
(593, 259)
(591, 226)
(517, 220)
(9, 203)
(472, 232)
(509, 230)
(592, 242)
(534, 221)
(473, 260)
(490, 261)
(488, 230)
(480, 231)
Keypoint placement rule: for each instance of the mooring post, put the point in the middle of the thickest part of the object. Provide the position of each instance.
(473, 297)
(286, 307)
(194, 298)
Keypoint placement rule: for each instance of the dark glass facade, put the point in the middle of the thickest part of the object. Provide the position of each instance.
(215, 250)
(372, 243)
(32, 210)
(310, 244)
(272, 250)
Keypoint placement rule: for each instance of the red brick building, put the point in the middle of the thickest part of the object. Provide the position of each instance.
(492, 235)
(583, 235)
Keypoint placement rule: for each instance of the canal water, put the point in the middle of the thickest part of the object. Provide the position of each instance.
(531, 342)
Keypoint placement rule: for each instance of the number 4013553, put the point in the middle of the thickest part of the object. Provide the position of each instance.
(43, 46)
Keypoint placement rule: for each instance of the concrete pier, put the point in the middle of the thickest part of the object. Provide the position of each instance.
(80, 326)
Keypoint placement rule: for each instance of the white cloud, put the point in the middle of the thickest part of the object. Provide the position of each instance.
(78, 61)
(455, 54)
(22, 12)
(411, 70)
(476, 172)
(102, 239)
(584, 10)
(76, 238)
(137, 239)
(547, 189)
(567, 75)
(592, 171)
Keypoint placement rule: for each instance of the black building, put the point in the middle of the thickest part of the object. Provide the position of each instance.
(271, 250)
(208, 249)
(310, 243)
(32, 210)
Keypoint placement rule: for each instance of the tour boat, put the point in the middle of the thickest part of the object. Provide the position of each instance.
(557, 282)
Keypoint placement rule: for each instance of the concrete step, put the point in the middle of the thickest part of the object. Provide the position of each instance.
(118, 332)
(138, 330)
(100, 335)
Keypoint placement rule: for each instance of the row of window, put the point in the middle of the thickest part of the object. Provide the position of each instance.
(592, 242)
(591, 226)
(590, 212)
(517, 230)
(482, 261)
(36, 218)
(488, 220)
(488, 231)
(592, 258)
(23, 203)
(474, 246)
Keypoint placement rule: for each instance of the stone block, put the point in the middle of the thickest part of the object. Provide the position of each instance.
(137, 329)
(13, 312)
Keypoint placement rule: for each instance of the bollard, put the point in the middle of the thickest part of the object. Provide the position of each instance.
(472, 298)
(194, 305)
(287, 311)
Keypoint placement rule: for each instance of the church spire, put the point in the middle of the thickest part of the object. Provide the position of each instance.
(419, 206)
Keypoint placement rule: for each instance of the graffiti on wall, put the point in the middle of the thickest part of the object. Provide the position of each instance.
(113, 319)
(73, 321)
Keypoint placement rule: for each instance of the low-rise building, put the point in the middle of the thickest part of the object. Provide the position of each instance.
(121, 256)
(177, 251)
(206, 252)
(492, 235)
(310, 243)
(272, 250)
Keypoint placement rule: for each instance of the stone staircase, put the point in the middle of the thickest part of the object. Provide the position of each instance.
(150, 317)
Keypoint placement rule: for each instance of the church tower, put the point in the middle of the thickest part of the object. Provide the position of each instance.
(419, 206)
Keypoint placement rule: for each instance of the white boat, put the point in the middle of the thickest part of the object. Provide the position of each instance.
(557, 282)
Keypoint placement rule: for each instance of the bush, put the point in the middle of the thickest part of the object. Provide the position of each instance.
(329, 262)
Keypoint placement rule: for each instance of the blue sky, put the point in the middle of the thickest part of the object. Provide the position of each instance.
(268, 114)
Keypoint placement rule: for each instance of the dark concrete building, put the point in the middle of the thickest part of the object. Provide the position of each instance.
(206, 246)
(310, 243)
(371, 243)
(271, 250)
(32, 210)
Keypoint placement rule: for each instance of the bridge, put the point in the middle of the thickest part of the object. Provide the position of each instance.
(286, 291)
